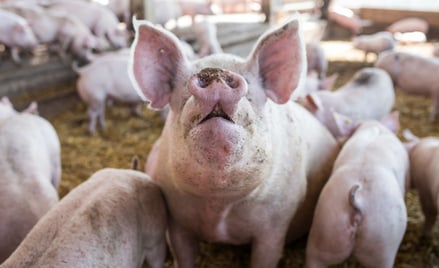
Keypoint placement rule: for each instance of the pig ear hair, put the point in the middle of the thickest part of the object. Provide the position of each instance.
(391, 121)
(346, 126)
(155, 59)
(279, 58)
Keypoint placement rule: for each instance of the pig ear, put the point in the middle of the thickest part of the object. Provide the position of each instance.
(313, 102)
(328, 82)
(155, 60)
(279, 59)
(408, 135)
(391, 121)
(5, 100)
(346, 126)
(32, 108)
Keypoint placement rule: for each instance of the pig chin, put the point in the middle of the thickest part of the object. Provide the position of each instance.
(217, 141)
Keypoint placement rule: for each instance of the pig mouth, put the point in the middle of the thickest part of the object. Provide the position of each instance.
(217, 112)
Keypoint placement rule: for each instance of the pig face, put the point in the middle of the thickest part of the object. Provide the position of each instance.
(24, 37)
(219, 107)
(391, 62)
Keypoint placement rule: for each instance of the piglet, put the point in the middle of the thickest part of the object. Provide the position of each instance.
(316, 59)
(361, 210)
(106, 77)
(424, 156)
(413, 74)
(30, 173)
(205, 33)
(346, 18)
(235, 165)
(409, 25)
(375, 43)
(117, 218)
(368, 95)
(16, 34)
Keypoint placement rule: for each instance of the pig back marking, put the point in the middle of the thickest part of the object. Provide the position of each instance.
(357, 216)
(208, 75)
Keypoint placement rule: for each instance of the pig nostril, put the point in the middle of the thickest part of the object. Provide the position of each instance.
(232, 83)
(203, 83)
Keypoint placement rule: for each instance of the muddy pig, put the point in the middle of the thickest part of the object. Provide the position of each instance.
(361, 210)
(117, 218)
(16, 34)
(368, 95)
(30, 172)
(424, 154)
(413, 74)
(106, 77)
(234, 164)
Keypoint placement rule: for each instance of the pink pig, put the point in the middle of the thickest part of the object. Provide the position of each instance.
(361, 210)
(30, 172)
(368, 95)
(409, 25)
(106, 77)
(116, 218)
(316, 59)
(16, 34)
(234, 165)
(375, 43)
(424, 154)
(205, 33)
(412, 74)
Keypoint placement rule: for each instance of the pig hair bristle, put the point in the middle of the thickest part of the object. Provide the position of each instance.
(135, 162)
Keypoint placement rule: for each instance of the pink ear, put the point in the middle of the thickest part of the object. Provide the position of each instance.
(155, 60)
(279, 56)
(5, 100)
(391, 121)
(32, 108)
(346, 126)
(328, 82)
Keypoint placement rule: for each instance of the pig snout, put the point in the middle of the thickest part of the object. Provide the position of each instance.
(218, 91)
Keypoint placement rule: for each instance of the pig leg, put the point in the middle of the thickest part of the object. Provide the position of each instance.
(430, 213)
(183, 245)
(96, 112)
(267, 250)
(15, 53)
(156, 256)
(435, 109)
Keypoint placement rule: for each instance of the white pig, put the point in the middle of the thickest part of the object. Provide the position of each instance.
(16, 34)
(106, 77)
(30, 172)
(368, 95)
(375, 43)
(235, 166)
(99, 19)
(117, 218)
(409, 25)
(413, 74)
(205, 33)
(316, 59)
(424, 155)
(361, 210)
(313, 83)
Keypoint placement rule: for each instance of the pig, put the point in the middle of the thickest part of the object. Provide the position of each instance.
(54, 28)
(16, 34)
(346, 18)
(424, 154)
(316, 59)
(30, 173)
(106, 77)
(375, 43)
(409, 25)
(368, 95)
(101, 21)
(205, 33)
(313, 84)
(116, 218)
(412, 74)
(235, 165)
(361, 210)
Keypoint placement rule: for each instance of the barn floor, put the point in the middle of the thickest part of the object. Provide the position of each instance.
(127, 135)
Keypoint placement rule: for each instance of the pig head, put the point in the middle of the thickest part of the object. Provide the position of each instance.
(234, 157)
